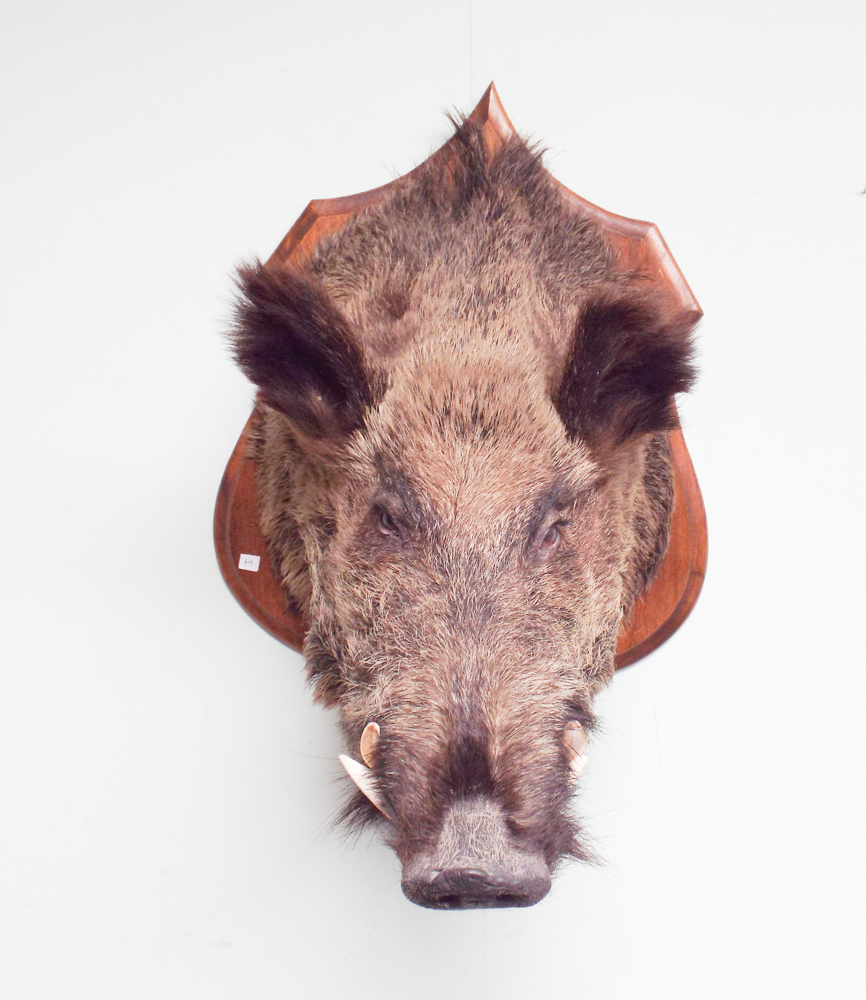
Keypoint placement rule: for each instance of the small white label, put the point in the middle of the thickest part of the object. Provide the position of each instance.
(249, 563)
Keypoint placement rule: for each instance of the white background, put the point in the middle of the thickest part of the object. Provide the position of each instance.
(168, 784)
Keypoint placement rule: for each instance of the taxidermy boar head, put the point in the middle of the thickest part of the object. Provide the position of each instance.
(464, 483)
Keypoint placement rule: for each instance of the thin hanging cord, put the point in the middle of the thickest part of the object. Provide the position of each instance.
(469, 102)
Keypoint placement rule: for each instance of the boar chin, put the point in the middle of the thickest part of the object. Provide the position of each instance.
(475, 863)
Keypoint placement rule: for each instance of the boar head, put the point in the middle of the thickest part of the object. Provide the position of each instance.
(464, 483)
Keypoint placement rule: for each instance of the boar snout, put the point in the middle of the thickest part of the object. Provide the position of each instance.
(476, 863)
(474, 888)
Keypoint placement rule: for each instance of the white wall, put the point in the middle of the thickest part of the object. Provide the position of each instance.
(168, 783)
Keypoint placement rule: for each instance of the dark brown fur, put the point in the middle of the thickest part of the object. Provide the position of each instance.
(465, 483)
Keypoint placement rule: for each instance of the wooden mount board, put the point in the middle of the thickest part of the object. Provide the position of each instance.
(640, 248)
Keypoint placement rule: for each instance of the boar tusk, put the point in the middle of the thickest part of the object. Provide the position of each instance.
(575, 746)
(579, 763)
(369, 740)
(366, 782)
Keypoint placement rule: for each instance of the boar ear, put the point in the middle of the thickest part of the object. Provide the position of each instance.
(294, 344)
(625, 365)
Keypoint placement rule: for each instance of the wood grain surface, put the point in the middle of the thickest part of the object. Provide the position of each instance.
(673, 592)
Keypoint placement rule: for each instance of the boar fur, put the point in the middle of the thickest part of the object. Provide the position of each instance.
(465, 482)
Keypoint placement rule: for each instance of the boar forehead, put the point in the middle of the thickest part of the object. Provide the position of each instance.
(476, 439)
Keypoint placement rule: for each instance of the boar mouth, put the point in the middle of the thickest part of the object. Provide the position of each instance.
(475, 864)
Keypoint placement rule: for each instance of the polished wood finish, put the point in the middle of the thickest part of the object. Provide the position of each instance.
(639, 245)
(674, 590)
(237, 533)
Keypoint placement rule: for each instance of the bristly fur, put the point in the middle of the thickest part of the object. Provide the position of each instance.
(465, 483)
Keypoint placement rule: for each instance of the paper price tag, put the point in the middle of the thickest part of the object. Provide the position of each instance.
(249, 563)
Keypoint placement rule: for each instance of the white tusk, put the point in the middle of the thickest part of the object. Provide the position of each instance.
(575, 744)
(369, 739)
(366, 782)
(579, 763)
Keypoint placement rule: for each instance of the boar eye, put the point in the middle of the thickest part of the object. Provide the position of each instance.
(551, 538)
(385, 523)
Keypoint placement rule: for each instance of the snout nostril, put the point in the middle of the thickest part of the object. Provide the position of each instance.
(464, 888)
(475, 888)
(513, 877)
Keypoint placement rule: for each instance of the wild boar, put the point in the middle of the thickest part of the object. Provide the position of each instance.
(464, 483)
